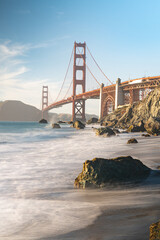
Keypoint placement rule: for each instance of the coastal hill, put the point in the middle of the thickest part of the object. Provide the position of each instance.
(12, 110)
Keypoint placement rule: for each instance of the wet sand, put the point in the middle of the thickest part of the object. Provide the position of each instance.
(127, 221)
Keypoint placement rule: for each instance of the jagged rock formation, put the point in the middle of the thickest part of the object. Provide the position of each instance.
(99, 172)
(155, 231)
(143, 114)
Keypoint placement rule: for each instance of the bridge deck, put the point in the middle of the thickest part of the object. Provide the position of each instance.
(145, 82)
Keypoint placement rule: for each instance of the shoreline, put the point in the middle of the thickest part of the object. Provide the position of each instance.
(121, 222)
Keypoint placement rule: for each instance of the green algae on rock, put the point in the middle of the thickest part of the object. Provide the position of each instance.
(155, 231)
(100, 172)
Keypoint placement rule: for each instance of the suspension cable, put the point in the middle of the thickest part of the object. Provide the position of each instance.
(89, 69)
(72, 80)
(65, 76)
(98, 65)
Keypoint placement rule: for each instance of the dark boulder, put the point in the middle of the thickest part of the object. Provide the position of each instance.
(100, 172)
(155, 231)
(92, 120)
(115, 130)
(106, 132)
(55, 125)
(78, 125)
(43, 121)
(70, 122)
(146, 135)
(132, 140)
(137, 128)
(60, 122)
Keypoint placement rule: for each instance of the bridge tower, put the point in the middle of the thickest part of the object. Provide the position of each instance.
(79, 78)
(44, 101)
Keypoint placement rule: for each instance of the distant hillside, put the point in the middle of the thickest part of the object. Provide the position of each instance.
(18, 111)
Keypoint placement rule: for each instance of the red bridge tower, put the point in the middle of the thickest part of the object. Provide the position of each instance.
(44, 100)
(79, 78)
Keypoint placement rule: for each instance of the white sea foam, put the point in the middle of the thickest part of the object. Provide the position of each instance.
(37, 172)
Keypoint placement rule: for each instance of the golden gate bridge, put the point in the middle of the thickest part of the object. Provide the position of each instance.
(111, 96)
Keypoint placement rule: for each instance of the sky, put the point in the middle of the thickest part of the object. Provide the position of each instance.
(37, 37)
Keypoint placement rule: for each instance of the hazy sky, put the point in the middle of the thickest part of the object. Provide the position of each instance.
(37, 37)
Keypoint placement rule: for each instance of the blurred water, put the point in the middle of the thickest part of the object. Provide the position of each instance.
(38, 166)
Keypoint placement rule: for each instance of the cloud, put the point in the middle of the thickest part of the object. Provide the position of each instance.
(13, 72)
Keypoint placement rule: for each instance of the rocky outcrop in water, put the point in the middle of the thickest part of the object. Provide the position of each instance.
(78, 125)
(105, 132)
(145, 135)
(92, 120)
(142, 115)
(132, 140)
(43, 121)
(100, 172)
(55, 125)
(155, 231)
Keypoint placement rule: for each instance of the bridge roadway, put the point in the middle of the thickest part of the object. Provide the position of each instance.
(140, 83)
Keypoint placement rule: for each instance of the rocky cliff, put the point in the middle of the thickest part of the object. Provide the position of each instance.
(146, 112)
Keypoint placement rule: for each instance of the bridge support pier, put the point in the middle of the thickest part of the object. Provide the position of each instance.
(79, 78)
(119, 99)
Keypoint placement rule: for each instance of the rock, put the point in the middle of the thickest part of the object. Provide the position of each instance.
(146, 135)
(123, 131)
(138, 128)
(106, 132)
(153, 126)
(132, 140)
(155, 231)
(55, 125)
(138, 114)
(61, 122)
(92, 120)
(78, 125)
(70, 122)
(115, 130)
(100, 172)
(43, 121)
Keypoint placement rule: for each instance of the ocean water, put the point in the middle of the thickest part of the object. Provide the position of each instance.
(38, 166)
